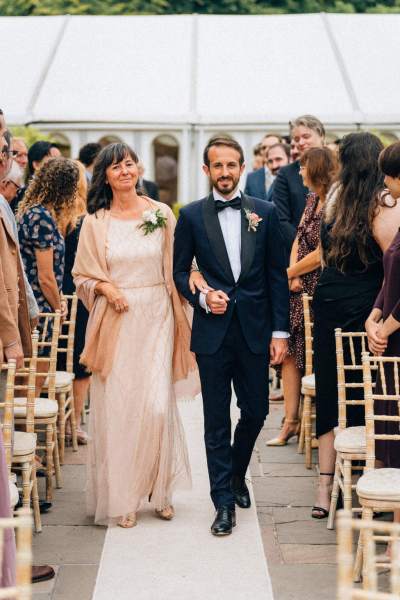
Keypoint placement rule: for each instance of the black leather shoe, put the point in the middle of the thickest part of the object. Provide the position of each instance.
(240, 492)
(224, 521)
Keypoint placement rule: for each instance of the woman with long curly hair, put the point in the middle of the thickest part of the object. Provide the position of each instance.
(42, 219)
(351, 278)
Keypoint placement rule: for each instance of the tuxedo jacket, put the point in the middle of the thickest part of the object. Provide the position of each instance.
(260, 296)
(255, 184)
(289, 196)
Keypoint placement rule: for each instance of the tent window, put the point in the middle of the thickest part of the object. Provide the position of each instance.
(166, 160)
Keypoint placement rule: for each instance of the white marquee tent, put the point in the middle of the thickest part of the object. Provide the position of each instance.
(177, 80)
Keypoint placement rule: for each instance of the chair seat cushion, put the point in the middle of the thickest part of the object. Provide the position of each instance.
(24, 443)
(14, 495)
(380, 484)
(43, 408)
(351, 440)
(63, 379)
(308, 381)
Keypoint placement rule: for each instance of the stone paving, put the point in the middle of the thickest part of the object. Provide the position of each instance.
(300, 551)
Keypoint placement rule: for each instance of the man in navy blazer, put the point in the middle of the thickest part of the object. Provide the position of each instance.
(259, 182)
(240, 323)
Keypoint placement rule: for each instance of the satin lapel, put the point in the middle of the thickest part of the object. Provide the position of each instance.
(214, 233)
(248, 245)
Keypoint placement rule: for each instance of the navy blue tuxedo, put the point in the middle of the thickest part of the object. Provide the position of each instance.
(289, 196)
(233, 347)
(255, 184)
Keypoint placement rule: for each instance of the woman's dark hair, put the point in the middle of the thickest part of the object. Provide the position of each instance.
(37, 152)
(88, 153)
(389, 160)
(100, 193)
(360, 186)
(322, 167)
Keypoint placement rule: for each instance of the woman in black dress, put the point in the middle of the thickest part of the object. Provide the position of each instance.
(350, 280)
(82, 377)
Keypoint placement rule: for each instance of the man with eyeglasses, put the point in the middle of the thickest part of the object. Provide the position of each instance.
(10, 185)
(259, 182)
(19, 152)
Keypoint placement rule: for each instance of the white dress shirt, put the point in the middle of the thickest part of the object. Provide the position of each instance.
(269, 179)
(231, 226)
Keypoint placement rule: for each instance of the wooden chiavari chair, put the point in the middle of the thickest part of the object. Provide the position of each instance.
(45, 409)
(22, 523)
(350, 442)
(65, 379)
(307, 438)
(373, 532)
(378, 489)
(6, 424)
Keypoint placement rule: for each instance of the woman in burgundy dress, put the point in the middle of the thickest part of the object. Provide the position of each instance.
(383, 324)
(318, 168)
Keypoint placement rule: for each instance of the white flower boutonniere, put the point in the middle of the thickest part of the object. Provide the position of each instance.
(152, 220)
(253, 219)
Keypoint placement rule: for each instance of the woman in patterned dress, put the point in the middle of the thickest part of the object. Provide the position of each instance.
(318, 168)
(41, 217)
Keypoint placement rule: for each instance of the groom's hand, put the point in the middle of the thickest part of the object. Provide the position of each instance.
(217, 301)
(277, 350)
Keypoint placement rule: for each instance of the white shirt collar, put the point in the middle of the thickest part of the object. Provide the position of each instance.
(217, 195)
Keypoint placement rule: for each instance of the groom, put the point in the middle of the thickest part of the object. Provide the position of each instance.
(240, 326)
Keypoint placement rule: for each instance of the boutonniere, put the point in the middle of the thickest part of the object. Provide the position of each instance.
(152, 220)
(253, 219)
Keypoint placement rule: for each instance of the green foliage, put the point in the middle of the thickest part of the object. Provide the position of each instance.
(30, 134)
(129, 7)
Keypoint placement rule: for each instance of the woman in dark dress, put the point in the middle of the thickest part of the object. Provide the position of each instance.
(82, 376)
(318, 169)
(346, 291)
(383, 324)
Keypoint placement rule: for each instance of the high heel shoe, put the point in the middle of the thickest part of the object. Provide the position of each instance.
(166, 514)
(282, 440)
(318, 512)
(128, 521)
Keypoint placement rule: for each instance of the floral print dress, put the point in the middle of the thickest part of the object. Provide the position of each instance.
(37, 230)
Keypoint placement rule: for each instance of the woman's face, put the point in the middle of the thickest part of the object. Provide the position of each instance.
(305, 178)
(393, 185)
(122, 176)
(306, 138)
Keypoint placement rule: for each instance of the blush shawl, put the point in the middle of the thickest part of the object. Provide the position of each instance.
(90, 268)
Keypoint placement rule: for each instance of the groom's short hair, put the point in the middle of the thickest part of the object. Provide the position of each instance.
(223, 141)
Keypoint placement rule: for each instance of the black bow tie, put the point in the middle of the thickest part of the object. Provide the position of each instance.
(235, 203)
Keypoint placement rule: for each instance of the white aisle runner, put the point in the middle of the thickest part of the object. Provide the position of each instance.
(181, 560)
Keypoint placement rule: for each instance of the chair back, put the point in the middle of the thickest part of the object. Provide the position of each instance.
(22, 523)
(373, 533)
(25, 384)
(350, 346)
(308, 333)
(7, 410)
(67, 334)
(378, 398)
(49, 333)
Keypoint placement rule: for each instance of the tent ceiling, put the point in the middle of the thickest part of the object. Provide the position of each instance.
(201, 69)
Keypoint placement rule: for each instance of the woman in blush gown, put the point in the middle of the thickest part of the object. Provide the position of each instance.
(137, 345)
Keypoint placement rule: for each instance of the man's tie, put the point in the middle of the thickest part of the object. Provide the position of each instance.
(235, 203)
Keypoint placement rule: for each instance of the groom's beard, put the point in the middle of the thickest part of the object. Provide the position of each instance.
(225, 185)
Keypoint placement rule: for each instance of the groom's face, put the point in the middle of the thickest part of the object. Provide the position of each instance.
(225, 169)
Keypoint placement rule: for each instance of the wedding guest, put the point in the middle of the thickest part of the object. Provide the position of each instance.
(42, 216)
(147, 187)
(87, 155)
(383, 324)
(20, 152)
(39, 153)
(318, 169)
(137, 345)
(294, 152)
(258, 157)
(71, 235)
(13, 182)
(277, 156)
(347, 288)
(289, 193)
(259, 182)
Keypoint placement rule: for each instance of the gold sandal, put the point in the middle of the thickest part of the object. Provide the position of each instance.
(283, 440)
(166, 514)
(128, 521)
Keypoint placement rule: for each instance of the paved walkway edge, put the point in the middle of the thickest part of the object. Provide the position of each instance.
(180, 559)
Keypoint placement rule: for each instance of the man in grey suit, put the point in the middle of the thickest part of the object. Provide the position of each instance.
(259, 182)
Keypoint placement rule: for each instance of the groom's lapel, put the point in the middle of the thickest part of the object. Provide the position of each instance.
(214, 233)
(248, 244)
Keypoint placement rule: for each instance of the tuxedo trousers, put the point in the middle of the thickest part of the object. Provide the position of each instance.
(233, 363)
